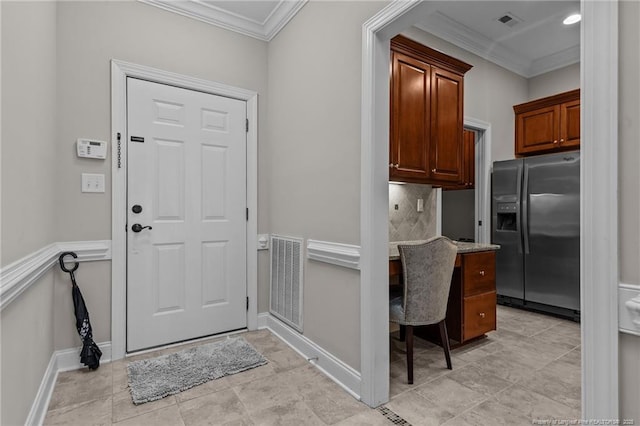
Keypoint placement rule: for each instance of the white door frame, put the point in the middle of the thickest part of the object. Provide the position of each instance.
(599, 202)
(482, 178)
(120, 70)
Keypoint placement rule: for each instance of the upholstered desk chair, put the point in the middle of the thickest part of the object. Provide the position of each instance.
(427, 270)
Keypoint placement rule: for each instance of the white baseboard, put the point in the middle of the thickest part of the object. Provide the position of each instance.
(40, 404)
(63, 360)
(69, 359)
(332, 367)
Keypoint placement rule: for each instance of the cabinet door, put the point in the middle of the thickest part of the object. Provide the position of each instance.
(445, 144)
(537, 130)
(479, 315)
(570, 124)
(468, 163)
(409, 119)
(479, 273)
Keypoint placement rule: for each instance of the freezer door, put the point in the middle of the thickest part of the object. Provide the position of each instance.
(551, 222)
(506, 191)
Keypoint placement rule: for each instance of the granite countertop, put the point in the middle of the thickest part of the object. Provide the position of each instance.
(463, 247)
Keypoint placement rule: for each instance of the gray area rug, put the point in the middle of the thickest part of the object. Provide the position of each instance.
(155, 378)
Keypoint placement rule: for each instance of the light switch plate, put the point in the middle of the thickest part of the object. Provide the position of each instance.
(92, 182)
(420, 206)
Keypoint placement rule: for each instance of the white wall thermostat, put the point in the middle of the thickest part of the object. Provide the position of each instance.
(90, 148)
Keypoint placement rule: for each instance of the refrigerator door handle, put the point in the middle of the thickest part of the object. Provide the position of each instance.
(525, 209)
(519, 197)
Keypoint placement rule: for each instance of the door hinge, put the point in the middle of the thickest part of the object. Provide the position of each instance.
(247, 213)
(247, 124)
(247, 303)
(479, 223)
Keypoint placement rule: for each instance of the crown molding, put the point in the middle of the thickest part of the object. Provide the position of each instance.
(465, 38)
(558, 60)
(265, 31)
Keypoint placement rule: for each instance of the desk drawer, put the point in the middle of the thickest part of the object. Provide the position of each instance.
(479, 315)
(479, 272)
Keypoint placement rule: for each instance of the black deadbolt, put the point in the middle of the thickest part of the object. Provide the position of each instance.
(137, 208)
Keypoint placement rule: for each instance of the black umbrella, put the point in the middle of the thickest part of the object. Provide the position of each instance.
(91, 353)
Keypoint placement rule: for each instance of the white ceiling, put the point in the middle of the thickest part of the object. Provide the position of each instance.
(538, 43)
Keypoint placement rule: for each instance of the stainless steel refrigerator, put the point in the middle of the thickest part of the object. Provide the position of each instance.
(536, 221)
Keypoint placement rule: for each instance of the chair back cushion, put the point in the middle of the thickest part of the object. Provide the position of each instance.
(427, 270)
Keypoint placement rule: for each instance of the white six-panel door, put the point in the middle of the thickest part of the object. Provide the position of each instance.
(186, 272)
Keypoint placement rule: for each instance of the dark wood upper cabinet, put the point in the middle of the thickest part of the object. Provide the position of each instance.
(426, 143)
(548, 125)
(468, 162)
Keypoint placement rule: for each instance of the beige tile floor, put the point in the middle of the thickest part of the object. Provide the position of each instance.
(528, 369)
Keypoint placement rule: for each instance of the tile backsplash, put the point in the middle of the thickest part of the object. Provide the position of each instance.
(406, 223)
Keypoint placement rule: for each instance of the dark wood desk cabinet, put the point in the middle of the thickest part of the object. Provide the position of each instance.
(472, 299)
(471, 311)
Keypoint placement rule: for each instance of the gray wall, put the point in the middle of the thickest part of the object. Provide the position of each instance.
(629, 195)
(558, 81)
(28, 128)
(314, 157)
(458, 213)
(28, 145)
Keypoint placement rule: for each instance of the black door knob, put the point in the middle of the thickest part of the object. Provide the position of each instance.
(137, 208)
(137, 227)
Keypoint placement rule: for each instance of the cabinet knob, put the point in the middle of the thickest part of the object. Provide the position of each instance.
(397, 165)
(482, 315)
(561, 140)
(433, 170)
(391, 165)
(482, 273)
(556, 141)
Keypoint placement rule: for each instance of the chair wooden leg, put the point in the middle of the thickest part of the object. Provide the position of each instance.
(409, 337)
(402, 333)
(444, 337)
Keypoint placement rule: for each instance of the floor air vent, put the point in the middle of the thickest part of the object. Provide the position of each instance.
(286, 280)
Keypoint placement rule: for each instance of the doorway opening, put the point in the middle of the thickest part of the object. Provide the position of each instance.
(598, 180)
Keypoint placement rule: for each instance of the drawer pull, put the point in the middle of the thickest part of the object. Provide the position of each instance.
(482, 273)
(482, 315)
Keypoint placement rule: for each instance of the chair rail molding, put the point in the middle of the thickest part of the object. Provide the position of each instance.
(21, 274)
(346, 255)
(629, 308)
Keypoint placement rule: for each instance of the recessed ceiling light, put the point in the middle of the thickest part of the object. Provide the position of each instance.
(572, 19)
